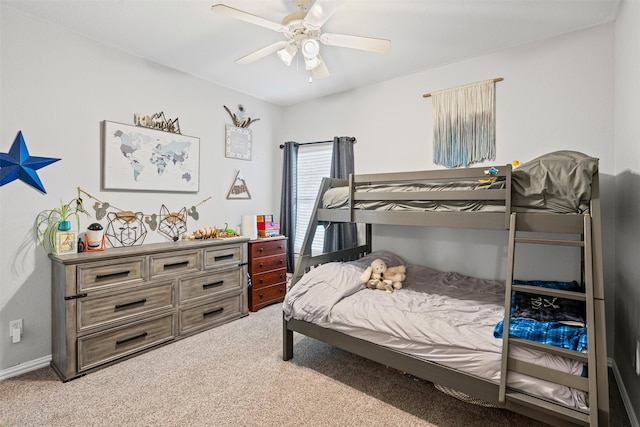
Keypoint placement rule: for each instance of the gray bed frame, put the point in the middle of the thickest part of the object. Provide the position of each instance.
(586, 226)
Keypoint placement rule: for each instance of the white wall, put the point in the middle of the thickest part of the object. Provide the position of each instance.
(57, 87)
(627, 157)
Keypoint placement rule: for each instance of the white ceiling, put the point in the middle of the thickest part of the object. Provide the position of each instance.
(187, 36)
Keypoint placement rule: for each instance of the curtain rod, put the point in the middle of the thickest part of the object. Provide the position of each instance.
(316, 142)
(496, 80)
(309, 143)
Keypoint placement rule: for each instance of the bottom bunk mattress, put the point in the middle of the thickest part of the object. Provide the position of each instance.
(443, 317)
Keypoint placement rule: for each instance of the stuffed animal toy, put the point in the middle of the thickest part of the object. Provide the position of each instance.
(379, 276)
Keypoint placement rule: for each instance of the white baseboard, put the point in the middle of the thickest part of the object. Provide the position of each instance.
(623, 393)
(23, 368)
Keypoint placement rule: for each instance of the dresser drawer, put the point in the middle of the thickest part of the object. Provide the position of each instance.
(210, 284)
(219, 257)
(104, 347)
(103, 275)
(94, 312)
(269, 263)
(207, 314)
(268, 247)
(174, 262)
(269, 278)
(268, 295)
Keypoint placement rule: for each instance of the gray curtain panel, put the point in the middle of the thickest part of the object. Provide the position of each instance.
(341, 235)
(288, 199)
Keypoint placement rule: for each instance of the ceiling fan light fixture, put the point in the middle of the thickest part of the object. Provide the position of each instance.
(310, 48)
(311, 63)
(287, 53)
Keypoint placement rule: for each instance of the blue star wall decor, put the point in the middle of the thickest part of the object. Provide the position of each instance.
(18, 164)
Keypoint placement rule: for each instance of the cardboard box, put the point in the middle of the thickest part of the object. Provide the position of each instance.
(268, 226)
(265, 218)
(268, 233)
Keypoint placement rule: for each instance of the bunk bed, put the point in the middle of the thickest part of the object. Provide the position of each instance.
(556, 195)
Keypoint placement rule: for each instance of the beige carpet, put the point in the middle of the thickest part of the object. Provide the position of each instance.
(234, 376)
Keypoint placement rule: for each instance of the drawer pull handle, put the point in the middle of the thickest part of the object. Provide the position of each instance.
(176, 265)
(212, 312)
(281, 275)
(222, 257)
(261, 265)
(75, 297)
(130, 304)
(135, 337)
(112, 275)
(281, 290)
(212, 285)
(260, 281)
(261, 250)
(281, 261)
(261, 296)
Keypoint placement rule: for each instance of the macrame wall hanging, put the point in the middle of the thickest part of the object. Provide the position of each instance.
(464, 124)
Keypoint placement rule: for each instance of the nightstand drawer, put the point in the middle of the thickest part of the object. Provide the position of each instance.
(178, 262)
(210, 284)
(269, 295)
(268, 247)
(210, 313)
(104, 347)
(94, 312)
(269, 278)
(269, 263)
(219, 257)
(96, 276)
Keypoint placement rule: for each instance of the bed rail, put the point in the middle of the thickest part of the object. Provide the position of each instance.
(462, 219)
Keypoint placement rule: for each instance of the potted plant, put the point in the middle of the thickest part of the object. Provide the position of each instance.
(50, 221)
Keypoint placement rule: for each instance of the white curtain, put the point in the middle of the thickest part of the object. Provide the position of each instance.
(464, 124)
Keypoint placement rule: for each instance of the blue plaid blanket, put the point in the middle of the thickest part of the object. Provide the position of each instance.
(547, 323)
(551, 333)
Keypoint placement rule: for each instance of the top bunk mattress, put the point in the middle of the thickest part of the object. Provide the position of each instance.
(558, 182)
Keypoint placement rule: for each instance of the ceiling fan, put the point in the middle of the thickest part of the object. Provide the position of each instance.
(303, 30)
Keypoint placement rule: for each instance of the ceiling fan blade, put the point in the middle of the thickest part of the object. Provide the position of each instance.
(247, 17)
(356, 42)
(320, 13)
(321, 71)
(261, 53)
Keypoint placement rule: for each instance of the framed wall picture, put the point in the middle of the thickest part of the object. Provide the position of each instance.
(238, 142)
(239, 188)
(142, 159)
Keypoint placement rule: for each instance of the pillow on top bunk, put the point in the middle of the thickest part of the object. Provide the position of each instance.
(558, 181)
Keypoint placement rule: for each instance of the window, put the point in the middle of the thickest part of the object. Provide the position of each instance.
(314, 163)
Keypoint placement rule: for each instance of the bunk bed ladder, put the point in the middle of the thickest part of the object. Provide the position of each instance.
(508, 396)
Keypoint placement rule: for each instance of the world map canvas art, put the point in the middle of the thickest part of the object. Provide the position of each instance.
(139, 158)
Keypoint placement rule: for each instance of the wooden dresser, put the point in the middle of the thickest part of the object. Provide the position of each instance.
(111, 305)
(268, 271)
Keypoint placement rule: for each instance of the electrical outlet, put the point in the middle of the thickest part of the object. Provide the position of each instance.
(15, 330)
(15, 324)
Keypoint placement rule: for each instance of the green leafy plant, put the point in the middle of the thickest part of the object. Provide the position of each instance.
(48, 220)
